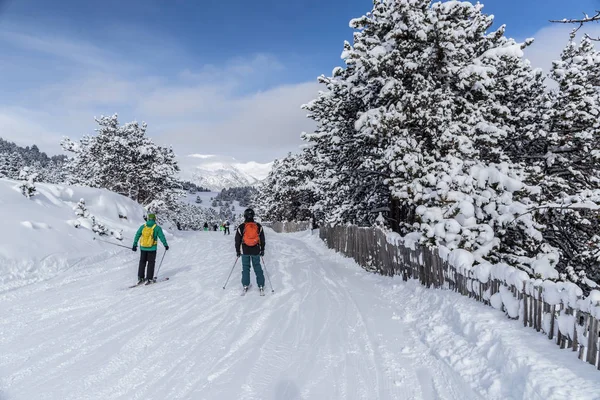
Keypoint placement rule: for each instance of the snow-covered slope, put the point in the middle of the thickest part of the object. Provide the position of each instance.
(39, 238)
(217, 172)
(329, 331)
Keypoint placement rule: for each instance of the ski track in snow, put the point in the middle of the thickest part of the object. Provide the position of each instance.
(330, 331)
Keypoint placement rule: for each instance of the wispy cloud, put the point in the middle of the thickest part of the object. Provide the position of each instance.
(238, 68)
(78, 53)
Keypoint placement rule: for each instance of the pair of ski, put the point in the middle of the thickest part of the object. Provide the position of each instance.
(245, 290)
(144, 283)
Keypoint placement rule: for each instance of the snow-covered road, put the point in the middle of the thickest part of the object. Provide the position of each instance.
(330, 331)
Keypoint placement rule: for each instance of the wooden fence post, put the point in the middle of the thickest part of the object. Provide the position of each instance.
(593, 341)
(525, 304)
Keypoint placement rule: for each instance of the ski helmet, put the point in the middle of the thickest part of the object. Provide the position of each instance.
(249, 213)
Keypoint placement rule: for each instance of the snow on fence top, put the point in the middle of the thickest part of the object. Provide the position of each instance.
(555, 293)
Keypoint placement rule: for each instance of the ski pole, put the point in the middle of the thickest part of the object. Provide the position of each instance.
(160, 265)
(236, 260)
(267, 272)
(114, 244)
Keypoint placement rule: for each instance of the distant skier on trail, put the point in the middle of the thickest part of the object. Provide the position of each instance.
(250, 245)
(148, 236)
(226, 230)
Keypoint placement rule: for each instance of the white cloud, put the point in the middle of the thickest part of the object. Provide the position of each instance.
(260, 127)
(213, 108)
(550, 41)
(27, 128)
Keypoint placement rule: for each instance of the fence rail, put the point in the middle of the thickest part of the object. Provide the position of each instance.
(564, 322)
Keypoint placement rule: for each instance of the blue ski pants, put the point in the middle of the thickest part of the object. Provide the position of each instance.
(260, 277)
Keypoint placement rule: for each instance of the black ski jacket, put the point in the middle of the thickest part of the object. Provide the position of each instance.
(247, 250)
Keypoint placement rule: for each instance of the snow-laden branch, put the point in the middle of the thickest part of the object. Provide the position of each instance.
(586, 18)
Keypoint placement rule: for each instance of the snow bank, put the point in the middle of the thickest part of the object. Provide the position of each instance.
(556, 293)
(43, 235)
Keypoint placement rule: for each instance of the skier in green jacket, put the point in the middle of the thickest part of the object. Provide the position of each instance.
(148, 236)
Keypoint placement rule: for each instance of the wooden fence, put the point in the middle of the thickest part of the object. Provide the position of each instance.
(567, 324)
(289, 227)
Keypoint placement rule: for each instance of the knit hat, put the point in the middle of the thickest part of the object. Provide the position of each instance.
(152, 216)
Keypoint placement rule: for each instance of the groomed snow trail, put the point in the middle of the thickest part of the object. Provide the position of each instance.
(330, 331)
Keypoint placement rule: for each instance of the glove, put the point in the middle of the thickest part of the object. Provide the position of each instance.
(166, 247)
(262, 253)
(238, 253)
(134, 248)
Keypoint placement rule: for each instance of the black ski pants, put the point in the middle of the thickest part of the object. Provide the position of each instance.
(150, 258)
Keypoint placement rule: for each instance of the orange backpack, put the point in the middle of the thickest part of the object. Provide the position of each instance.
(251, 235)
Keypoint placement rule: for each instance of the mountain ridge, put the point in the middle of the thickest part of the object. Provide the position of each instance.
(221, 172)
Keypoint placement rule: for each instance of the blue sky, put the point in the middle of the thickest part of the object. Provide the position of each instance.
(221, 77)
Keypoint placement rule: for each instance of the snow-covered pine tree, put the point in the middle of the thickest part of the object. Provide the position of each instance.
(80, 209)
(574, 119)
(570, 163)
(99, 228)
(286, 194)
(263, 200)
(55, 172)
(28, 176)
(347, 182)
(124, 160)
(438, 119)
(518, 110)
(11, 164)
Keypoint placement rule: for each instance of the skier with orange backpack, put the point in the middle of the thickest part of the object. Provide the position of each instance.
(250, 245)
(148, 236)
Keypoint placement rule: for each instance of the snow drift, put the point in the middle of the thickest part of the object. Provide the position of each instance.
(43, 235)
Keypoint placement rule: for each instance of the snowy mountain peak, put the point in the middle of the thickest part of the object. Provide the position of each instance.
(219, 172)
(202, 156)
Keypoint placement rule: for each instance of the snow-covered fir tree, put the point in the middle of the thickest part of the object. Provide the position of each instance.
(449, 113)
(568, 168)
(123, 159)
(190, 217)
(573, 159)
(421, 122)
(81, 209)
(11, 164)
(85, 218)
(438, 125)
(53, 172)
(345, 159)
(99, 228)
(243, 195)
(29, 177)
(287, 194)
(14, 158)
